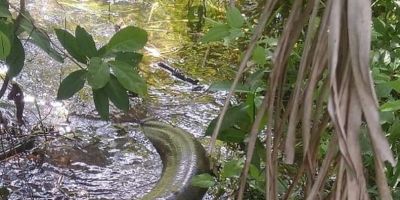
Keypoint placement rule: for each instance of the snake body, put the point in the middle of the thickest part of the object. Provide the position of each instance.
(182, 156)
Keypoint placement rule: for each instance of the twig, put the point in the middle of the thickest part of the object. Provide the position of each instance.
(254, 38)
(153, 7)
(203, 63)
(40, 117)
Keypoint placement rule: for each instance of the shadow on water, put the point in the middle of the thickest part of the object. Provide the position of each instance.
(86, 158)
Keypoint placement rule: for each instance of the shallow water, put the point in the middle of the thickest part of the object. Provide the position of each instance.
(86, 158)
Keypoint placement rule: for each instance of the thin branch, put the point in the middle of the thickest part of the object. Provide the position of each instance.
(255, 37)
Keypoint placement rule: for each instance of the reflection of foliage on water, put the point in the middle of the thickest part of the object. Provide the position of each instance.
(211, 62)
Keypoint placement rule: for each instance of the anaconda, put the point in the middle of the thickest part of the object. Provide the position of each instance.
(182, 156)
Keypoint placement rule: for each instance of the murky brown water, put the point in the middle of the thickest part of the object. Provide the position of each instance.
(90, 159)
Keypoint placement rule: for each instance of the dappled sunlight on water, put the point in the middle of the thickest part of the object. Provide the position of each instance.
(130, 165)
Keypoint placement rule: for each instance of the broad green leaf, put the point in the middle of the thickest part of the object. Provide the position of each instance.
(130, 58)
(85, 42)
(255, 173)
(379, 26)
(38, 36)
(233, 135)
(212, 22)
(259, 55)
(234, 33)
(117, 94)
(259, 153)
(256, 80)
(251, 106)
(102, 52)
(7, 27)
(129, 78)
(216, 33)
(395, 85)
(394, 131)
(226, 85)
(71, 84)
(70, 43)
(4, 12)
(42, 40)
(386, 117)
(26, 23)
(238, 119)
(391, 106)
(101, 103)
(383, 89)
(203, 181)
(15, 60)
(232, 168)
(98, 73)
(129, 39)
(234, 18)
(5, 46)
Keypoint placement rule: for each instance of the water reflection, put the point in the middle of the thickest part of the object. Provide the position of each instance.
(100, 159)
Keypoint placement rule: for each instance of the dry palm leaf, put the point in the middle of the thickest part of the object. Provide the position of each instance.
(333, 78)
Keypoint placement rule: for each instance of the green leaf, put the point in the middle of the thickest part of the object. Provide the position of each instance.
(203, 181)
(71, 84)
(128, 39)
(7, 27)
(130, 58)
(234, 18)
(234, 33)
(259, 153)
(102, 52)
(38, 36)
(129, 78)
(255, 173)
(85, 42)
(259, 55)
(4, 12)
(42, 40)
(5, 46)
(386, 117)
(117, 94)
(26, 23)
(98, 73)
(391, 106)
(394, 132)
(383, 89)
(232, 168)
(16, 59)
(395, 85)
(212, 22)
(379, 26)
(233, 135)
(101, 103)
(226, 85)
(70, 43)
(216, 33)
(238, 119)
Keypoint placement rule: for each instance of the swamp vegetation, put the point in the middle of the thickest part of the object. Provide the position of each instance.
(293, 99)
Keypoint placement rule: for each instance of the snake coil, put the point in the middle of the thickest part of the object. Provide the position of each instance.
(182, 156)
